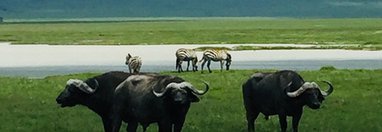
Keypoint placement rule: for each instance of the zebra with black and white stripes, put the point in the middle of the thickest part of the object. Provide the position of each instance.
(216, 55)
(134, 63)
(188, 55)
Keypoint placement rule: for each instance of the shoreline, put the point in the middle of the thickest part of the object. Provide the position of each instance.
(235, 47)
(299, 65)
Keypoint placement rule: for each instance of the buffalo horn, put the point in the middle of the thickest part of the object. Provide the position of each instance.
(299, 90)
(329, 91)
(171, 85)
(82, 85)
(195, 91)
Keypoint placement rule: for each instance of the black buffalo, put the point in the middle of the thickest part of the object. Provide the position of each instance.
(147, 99)
(96, 93)
(283, 93)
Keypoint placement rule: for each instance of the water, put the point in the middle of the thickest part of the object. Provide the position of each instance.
(37, 61)
(43, 71)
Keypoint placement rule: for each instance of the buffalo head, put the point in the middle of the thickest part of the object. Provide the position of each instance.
(311, 94)
(75, 90)
(181, 93)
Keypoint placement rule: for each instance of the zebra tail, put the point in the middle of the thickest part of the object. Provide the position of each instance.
(201, 59)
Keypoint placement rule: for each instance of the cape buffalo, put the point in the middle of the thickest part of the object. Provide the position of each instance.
(158, 99)
(283, 93)
(96, 93)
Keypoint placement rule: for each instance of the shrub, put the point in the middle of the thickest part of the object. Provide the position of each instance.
(327, 68)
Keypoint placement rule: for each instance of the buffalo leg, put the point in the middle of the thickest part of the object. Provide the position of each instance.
(115, 117)
(251, 112)
(178, 124)
(165, 126)
(283, 122)
(144, 126)
(295, 121)
(117, 121)
(132, 126)
(251, 117)
(106, 124)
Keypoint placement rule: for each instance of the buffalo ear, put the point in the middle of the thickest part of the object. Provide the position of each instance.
(193, 98)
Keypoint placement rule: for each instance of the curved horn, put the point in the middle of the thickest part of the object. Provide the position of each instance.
(96, 85)
(194, 90)
(299, 90)
(82, 85)
(329, 91)
(171, 85)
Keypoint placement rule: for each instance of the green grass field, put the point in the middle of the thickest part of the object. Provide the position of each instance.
(362, 32)
(355, 105)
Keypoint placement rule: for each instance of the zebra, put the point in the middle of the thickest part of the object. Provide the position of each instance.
(216, 55)
(134, 63)
(188, 55)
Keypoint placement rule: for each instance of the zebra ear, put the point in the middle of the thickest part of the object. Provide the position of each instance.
(128, 55)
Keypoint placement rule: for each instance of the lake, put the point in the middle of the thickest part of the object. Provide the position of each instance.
(38, 61)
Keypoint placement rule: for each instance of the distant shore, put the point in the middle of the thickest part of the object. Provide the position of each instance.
(363, 33)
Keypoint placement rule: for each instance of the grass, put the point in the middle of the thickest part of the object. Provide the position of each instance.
(346, 47)
(363, 32)
(247, 47)
(29, 104)
(210, 47)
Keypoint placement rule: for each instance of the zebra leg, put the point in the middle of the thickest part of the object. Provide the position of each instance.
(139, 68)
(204, 62)
(221, 66)
(188, 64)
(178, 65)
(208, 66)
(129, 69)
(194, 67)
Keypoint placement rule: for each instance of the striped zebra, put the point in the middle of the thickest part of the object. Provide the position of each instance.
(134, 63)
(216, 55)
(188, 55)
